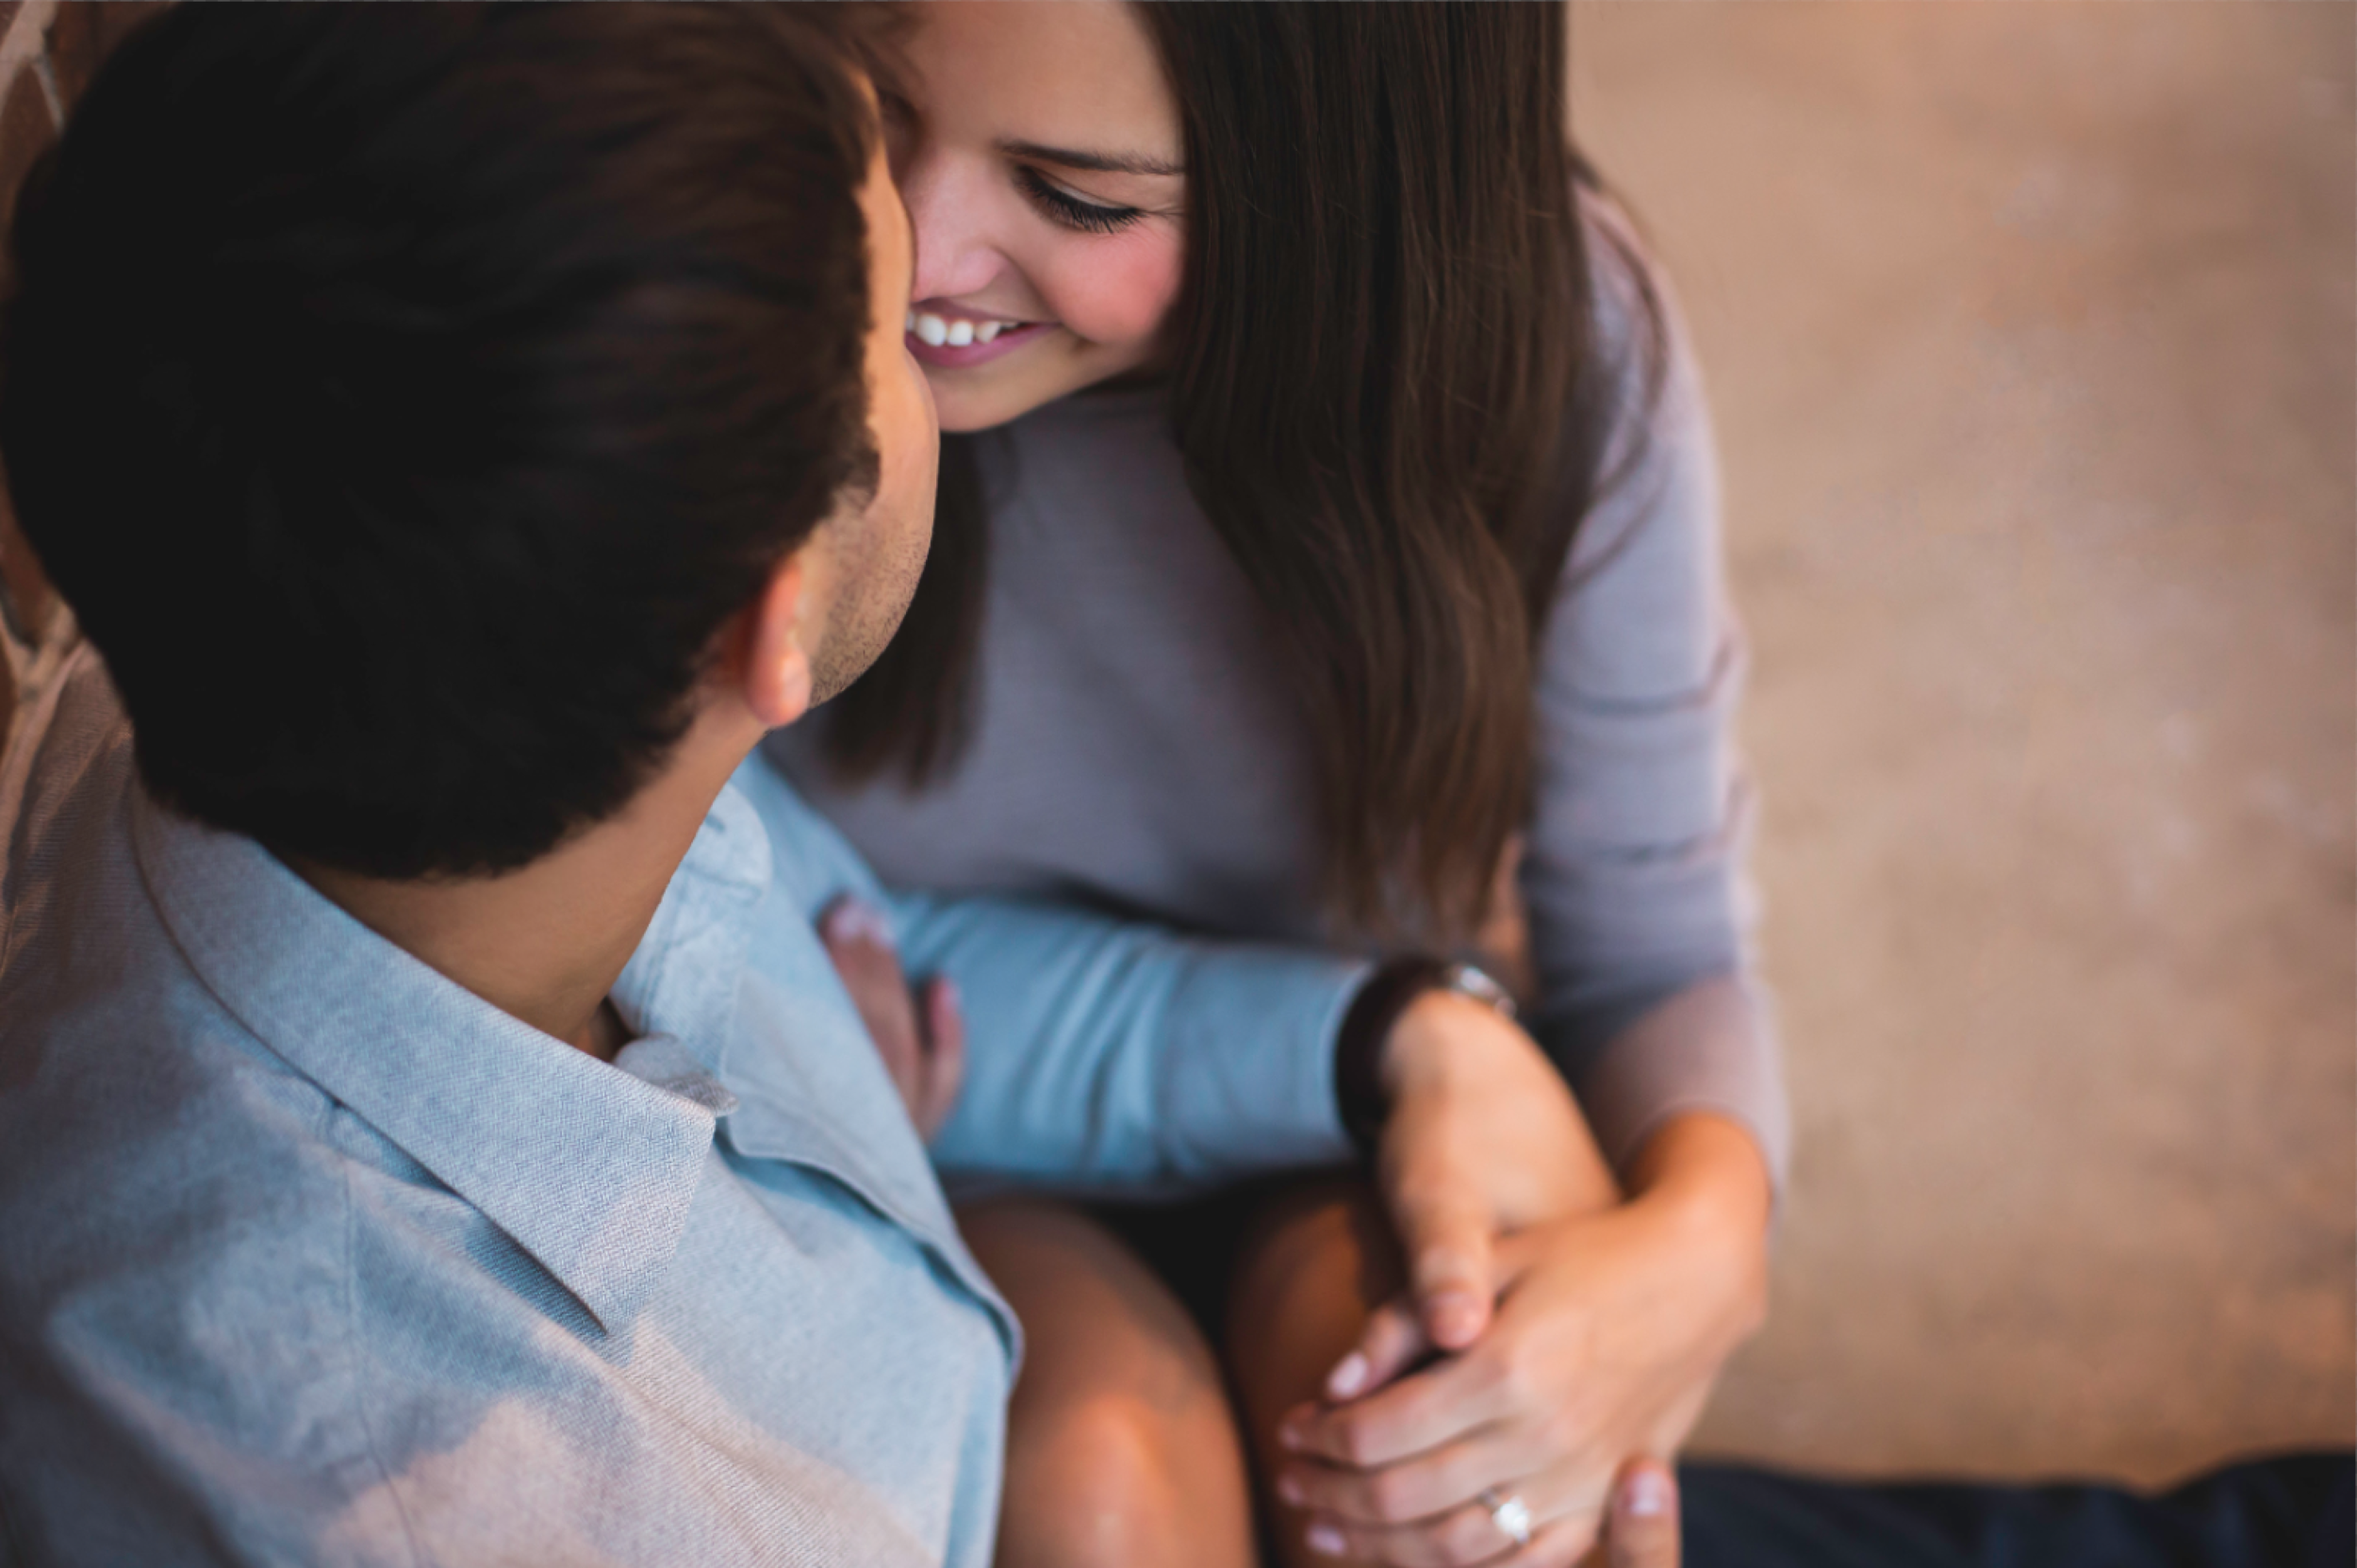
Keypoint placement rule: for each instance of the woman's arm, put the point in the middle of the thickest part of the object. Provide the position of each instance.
(1110, 1055)
(1609, 1327)
(1632, 880)
(1099, 1054)
(1116, 1055)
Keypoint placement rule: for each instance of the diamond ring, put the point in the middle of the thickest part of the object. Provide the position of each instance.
(1512, 1515)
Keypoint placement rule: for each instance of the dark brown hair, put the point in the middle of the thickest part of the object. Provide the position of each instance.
(404, 398)
(1386, 396)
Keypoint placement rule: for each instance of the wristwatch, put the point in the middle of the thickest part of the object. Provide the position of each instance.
(1471, 980)
(1359, 1046)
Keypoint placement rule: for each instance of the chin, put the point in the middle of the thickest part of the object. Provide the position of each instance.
(961, 421)
(1006, 390)
(966, 409)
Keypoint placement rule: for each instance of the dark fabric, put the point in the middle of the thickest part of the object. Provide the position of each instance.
(1191, 1246)
(2292, 1512)
(1359, 1046)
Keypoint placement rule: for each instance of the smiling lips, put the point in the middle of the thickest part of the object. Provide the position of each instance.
(957, 341)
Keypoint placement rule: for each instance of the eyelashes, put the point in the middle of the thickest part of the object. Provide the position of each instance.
(1070, 210)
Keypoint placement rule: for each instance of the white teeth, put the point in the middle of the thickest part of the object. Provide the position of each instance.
(963, 333)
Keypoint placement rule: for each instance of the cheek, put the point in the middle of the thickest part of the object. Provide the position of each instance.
(1117, 289)
(907, 440)
(920, 447)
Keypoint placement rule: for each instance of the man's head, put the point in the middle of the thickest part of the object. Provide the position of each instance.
(419, 405)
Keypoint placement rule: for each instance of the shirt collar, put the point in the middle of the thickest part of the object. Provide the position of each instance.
(590, 1169)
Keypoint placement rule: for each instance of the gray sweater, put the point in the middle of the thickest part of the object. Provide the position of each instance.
(1134, 749)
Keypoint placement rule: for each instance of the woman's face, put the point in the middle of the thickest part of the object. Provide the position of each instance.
(1043, 176)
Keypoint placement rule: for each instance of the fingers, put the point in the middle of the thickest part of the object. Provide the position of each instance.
(851, 920)
(1642, 1531)
(1500, 1460)
(1560, 1545)
(858, 943)
(1393, 1341)
(1639, 1530)
(1449, 1400)
(945, 1056)
(925, 1056)
(1460, 1538)
(1422, 1489)
(1445, 1232)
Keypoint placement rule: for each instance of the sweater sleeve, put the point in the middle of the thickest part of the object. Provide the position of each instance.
(1633, 875)
(1103, 1055)
(1111, 1055)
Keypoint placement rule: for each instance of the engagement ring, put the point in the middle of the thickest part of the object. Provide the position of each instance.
(1511, 1514)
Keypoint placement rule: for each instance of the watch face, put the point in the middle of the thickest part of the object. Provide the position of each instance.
(1467, 980)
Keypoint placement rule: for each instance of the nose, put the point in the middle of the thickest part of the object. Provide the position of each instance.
(949, 208)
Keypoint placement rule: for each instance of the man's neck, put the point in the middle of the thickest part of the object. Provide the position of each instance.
(546, 943)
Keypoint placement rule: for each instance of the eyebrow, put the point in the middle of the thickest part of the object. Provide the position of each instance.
(1102, 163)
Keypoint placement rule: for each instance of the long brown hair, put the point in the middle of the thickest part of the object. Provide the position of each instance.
(1386, 396)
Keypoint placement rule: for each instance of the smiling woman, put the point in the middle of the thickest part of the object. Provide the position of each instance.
(1067, 240)
(1329, 542)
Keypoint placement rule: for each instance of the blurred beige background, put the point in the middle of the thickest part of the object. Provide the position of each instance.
(2032, 336)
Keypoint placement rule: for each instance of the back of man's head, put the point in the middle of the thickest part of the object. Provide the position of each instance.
(404, 398)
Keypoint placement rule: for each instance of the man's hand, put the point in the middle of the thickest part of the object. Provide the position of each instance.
(1610, 1330)
(1551, 1332)
(923, 1053)
(1482, 1140)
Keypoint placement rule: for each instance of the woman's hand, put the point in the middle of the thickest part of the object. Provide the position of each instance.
(1608, 1332)
(925, 1055)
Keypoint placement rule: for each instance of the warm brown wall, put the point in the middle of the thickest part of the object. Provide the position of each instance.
(2032, 332)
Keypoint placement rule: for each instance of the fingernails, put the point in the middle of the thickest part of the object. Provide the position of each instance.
(1647, 1495)
(1289, 1488)
(1325, 1540)
(1454, 1318)
(950, 995)
(1293, 1435)
(1348, 1377)
(852, 919)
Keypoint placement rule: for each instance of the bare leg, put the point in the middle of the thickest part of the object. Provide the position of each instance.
(1311, 1268)
(1122, 1447)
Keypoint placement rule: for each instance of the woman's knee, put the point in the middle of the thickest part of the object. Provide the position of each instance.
(1314, 1262)
(1310, 1267)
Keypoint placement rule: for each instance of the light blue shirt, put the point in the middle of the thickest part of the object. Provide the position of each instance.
(309, 1256)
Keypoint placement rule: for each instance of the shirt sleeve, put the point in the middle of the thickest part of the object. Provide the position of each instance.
(1633, 878)
(1102, 1054)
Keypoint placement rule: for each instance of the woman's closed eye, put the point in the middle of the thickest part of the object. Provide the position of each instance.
(1064, 208)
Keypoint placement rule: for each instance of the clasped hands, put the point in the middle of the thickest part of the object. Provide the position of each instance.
(1556, 1339)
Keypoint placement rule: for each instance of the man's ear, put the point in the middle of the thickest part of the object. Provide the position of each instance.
(777, 641)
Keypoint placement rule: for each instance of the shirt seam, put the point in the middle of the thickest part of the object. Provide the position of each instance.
(352, 1329)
